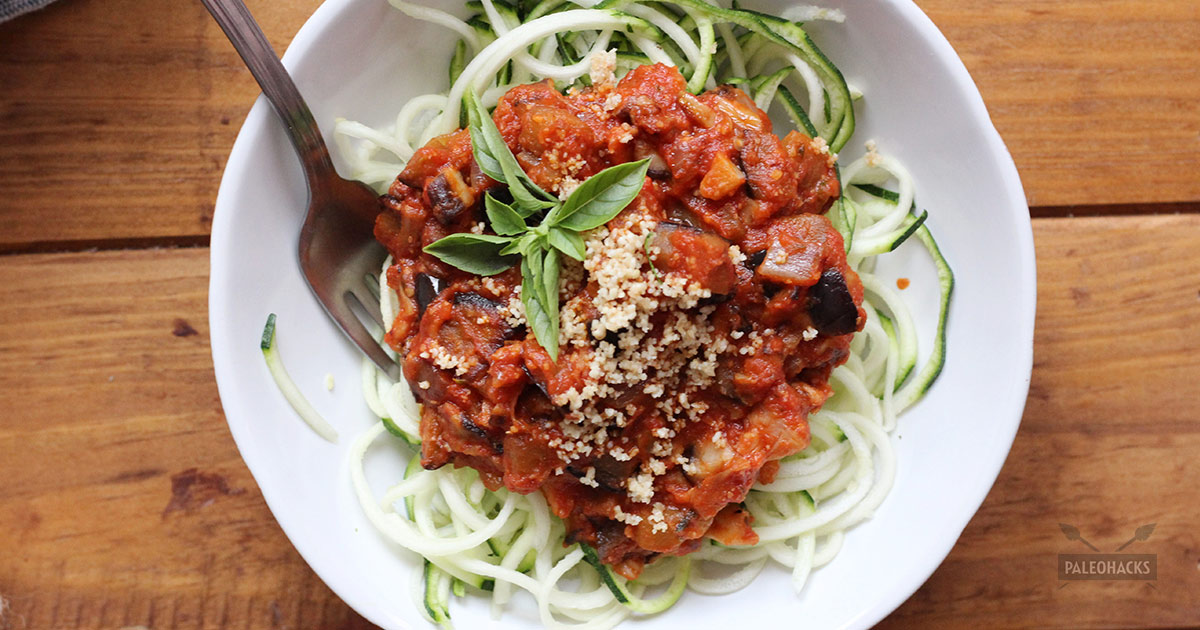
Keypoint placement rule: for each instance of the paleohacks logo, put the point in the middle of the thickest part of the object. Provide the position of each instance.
(1099, 565)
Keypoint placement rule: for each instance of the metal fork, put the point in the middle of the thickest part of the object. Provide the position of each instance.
(338, 250)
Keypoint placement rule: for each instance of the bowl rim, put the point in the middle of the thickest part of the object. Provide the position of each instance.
(261, 114)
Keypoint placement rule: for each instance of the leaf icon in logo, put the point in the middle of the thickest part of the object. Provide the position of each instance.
(1141, 534)
(1072, 533)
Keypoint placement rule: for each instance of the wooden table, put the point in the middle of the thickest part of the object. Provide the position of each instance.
(123, 501)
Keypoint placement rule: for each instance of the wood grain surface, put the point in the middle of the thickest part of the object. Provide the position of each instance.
(165, 527)
(124, 502)
(1108, 443)
(126, 109)
(117, 116)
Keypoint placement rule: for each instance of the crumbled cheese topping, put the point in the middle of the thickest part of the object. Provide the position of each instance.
(623, 517)
(736, 255)
(603, 70)
(820, 146)
(621, 454)
(688, 465)
(641, 487)
(873, 158)
(491, 286)
(627, 133)
(754, 342)
(658, 518)
(567, 186)
(612, 102)
(624, 327)
(589, 477)
(514, 311)
(563, 171)
(445, 360)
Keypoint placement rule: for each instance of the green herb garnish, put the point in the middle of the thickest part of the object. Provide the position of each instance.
(558, 231)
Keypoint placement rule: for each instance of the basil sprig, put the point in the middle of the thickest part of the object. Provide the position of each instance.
(559, 224)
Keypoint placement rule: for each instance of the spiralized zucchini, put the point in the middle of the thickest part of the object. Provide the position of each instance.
(476, 540)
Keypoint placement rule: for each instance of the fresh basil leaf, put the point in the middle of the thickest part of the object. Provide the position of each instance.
(527, 204)
(550, 269)
(503, 218)
(543, 322)
(474, 253)
(535, 257)
(601, 197)
(483, 152)
(519, 245)
(567, 242)
(496, 160)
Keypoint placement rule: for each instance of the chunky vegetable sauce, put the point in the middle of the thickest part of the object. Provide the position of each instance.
(696, 337)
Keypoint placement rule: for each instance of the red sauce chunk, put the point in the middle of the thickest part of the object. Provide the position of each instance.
(695, 339)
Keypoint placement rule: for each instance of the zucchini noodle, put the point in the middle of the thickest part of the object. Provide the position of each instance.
(498, 542)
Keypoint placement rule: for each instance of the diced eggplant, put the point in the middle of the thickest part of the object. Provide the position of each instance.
(795, 255)
(658, 168)
(680, 214)
(830, 305)
(477, 326)
(754, 259)
(470, 298)
(483, 435)
(630, 395)
(449, 196)
(686, 519)
(539, 383)
(669, 226)
(437, 380)
(534, 404)
(698, 254)
(611, 473)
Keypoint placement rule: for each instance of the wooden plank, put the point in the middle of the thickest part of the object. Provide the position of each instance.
(125, 502)
(117, 115)
(1108, 442)
(1115, 209)
(1099, 101)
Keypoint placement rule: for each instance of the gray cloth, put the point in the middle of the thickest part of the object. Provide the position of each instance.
(10, 9)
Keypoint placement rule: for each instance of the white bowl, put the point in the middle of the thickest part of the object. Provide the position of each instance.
(361, 59)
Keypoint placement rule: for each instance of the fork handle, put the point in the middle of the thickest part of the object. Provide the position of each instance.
(248, 39)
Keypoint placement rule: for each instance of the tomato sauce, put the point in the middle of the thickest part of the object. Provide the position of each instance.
(767, 310)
